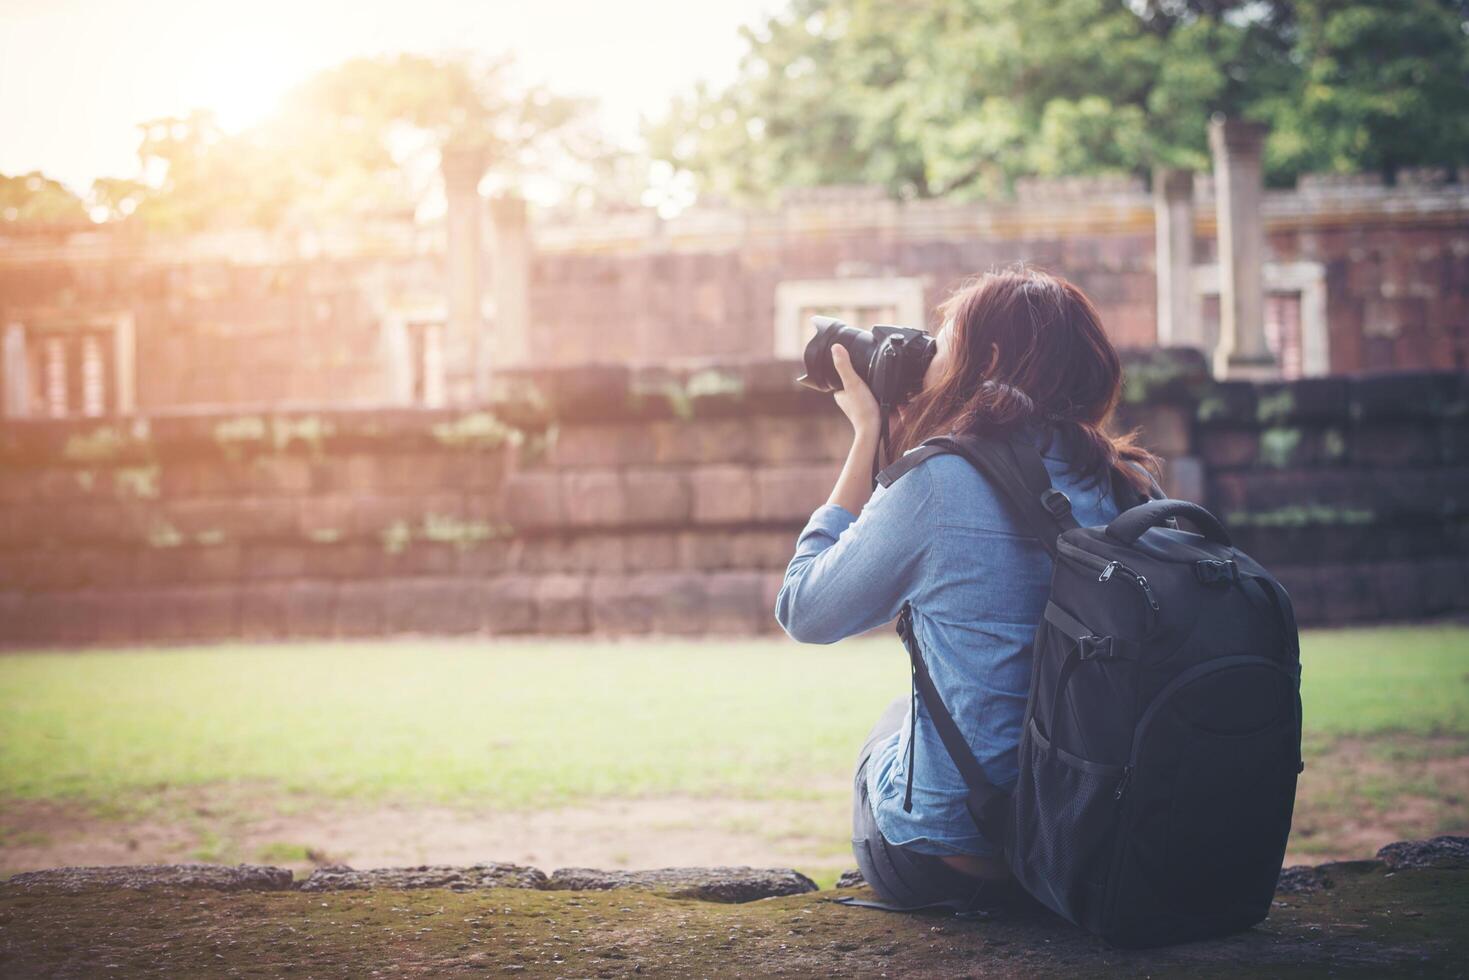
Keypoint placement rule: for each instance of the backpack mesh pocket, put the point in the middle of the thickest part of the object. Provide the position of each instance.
(1066, 811)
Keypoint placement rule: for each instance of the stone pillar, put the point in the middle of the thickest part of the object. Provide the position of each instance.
(16, 372)
(511, 277)
(1239, 192)
(463, 169)
(1173, 217)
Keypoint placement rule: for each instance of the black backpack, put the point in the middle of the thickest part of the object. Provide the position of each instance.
(1162, 735)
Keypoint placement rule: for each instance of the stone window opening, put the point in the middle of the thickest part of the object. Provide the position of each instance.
(67, 367)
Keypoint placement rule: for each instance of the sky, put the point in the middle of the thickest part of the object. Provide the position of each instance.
(76, 76)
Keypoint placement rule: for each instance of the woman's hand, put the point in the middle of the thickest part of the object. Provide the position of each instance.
(855, 399)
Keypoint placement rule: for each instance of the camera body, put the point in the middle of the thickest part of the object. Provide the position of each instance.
(890, 359)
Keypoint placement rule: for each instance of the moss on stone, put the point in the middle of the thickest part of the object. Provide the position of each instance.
(1302, 515)
(478, 430)
(1275, 406)
(162, 534)
(139, 482)
(100, 445)
(1278, 446)
(311, 430)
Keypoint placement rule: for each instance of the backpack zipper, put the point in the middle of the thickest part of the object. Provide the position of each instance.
(1106, 569)
(1137, 577)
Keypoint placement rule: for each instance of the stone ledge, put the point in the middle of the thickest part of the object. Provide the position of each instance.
(732, 885)
(722, 884)
(148, 877)
(339, 877)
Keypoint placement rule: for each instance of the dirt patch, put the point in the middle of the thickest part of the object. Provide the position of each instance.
(296, 833)
(1355, 796)
(1359, 794)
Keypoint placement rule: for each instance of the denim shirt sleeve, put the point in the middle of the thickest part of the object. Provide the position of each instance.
(851, 574)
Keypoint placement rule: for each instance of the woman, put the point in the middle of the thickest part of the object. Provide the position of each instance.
(1019, 351)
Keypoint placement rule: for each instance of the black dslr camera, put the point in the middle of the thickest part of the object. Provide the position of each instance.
(892, 360)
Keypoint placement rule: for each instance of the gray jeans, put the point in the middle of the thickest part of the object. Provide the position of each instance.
(900, 876)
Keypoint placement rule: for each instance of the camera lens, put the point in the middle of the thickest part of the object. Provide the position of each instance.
(821, 373)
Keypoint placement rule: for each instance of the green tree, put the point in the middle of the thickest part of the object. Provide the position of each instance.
(360, 138)
(960, 97)
(34, 199)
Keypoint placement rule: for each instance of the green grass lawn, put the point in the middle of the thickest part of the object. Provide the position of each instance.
(536, 723)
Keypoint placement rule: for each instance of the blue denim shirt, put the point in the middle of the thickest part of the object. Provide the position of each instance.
(942, 539)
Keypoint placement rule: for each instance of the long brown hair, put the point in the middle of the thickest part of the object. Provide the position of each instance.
(1026, 345)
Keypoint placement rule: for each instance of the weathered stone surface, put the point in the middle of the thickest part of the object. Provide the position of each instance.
(476, 876)
(851, 879)
(1301, 879)
(706, 884)
(145, 877)
(1438, 852)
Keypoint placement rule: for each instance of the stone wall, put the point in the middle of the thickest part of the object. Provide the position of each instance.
(611, 501)
(250, 321)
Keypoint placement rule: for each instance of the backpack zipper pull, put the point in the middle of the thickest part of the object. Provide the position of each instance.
(1107, 572)
(1142, 582)
(1122, 783)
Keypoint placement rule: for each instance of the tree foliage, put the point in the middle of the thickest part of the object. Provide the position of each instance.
(960, 97)
(361, 138)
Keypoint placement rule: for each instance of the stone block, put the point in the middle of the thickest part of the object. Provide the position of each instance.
(791, 493)
(281, 474)
(657, 496)
(506, 605)
(311, 608)
(736, 603)
(701, 440)
(601, 445)
(1394, 444)
(593, 498)
(1166, 429)
(275, 562)
(359, 608)
(1229, 448)
(621, 605)
(534, 500)
(1183, 478)
(723, 494)
(561, 604)
(264, 610)
(649, 551)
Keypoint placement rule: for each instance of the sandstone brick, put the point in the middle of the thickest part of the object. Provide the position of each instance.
(359, 608)
(736, 603)
(281, 474)
(723, 494)
(275, 562)
(601, 445)
(506, 605)
(657, 496)
(1229, 448)
(702, 441)
(264, 612)
(621, 605)
(650, 551)
(533, 500)
(680, 603)
(791, 493)
(593, 498)
(561, 604)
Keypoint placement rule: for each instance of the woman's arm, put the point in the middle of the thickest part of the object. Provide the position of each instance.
(855, 399)
(858, 556)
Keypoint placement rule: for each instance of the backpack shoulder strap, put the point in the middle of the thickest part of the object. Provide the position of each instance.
(908, 460)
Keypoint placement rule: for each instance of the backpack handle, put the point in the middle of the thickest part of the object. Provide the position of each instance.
(1131, 523)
